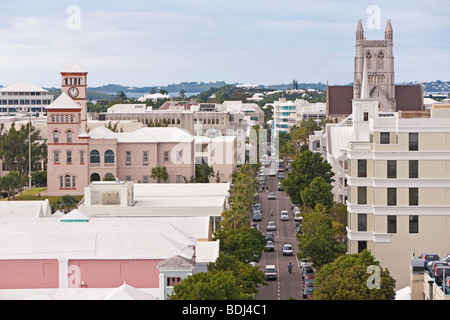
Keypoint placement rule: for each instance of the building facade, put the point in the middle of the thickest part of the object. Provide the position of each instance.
(24, 98)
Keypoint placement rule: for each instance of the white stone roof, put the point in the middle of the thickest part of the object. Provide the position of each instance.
(24, 209)
(23, 87)
(124, 292)
(64, 102)
(144, 135)
(74, 67)
(101, 238)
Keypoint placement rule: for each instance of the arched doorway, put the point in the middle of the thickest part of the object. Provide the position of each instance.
(95, 177)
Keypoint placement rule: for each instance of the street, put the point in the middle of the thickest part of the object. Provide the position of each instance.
(287, 285)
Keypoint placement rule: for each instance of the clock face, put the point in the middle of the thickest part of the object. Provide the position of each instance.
(73, 92)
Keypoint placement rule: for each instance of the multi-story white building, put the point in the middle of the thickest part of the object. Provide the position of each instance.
(24, 98)
(395, 167)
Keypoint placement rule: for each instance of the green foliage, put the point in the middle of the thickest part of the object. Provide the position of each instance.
(159, 173)
(221, 285)
(66, 203)
(14, 149)
(39, 179)
(203, 172)
(246, 244)
(10, 183)
(304, 169)
(248, 277)
(318, 241)
(347, 278)
(318, 191)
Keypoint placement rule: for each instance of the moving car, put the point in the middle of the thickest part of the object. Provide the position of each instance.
(281, 176)
(271, 196)
(270, 273)
(287, 250)
(272, 173)
(284, 215)
(280, 187)
(271, 226)
(270, 236)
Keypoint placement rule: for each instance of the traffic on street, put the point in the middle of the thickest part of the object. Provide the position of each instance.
(283, 273)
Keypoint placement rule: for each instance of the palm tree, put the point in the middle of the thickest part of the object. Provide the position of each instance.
(159, 173)
(182, 94)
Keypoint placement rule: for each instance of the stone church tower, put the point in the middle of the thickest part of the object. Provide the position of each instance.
(380, 67)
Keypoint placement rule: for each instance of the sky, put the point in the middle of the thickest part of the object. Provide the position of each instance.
(160, 42)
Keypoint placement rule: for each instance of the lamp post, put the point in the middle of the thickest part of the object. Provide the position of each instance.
(29, 154)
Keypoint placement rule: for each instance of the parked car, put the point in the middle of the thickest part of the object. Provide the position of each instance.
(271, 226)
(272, 173)
(304, 262)
(298, 217)
(428, 257)
(280, 187)
(270, 246)
(270, 273)
(309, 282)
(438, 274)
(284, 215)
(255, 226)
(308, 271)
(270, 237)
(298, 228)
(271, 196)
(281, 176)
(257, 216)
(287, 250)
(307, 292)
(432, 265)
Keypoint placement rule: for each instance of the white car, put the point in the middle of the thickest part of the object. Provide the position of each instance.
(271, 272)
(287, 250)
(284, 215)
(272, 173)
(271, 226)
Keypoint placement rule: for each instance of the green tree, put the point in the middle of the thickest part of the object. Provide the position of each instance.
(246, 244)
(39, 178)
(248, 277)
(304, 169)
(318, 241)
(10, 183)
(348, 278)
(17, 158)
(318, 191)
(66, 202)
(203, 172)
(182, 94)
(159, 173)
(220, 285)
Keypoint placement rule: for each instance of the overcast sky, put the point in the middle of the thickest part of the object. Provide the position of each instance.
(159, 42)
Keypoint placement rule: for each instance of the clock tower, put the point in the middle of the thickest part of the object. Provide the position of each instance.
(74, 84)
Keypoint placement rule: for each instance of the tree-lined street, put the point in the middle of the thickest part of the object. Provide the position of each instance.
(287, 285)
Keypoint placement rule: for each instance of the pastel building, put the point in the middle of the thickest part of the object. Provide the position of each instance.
(393, 172)
(75, 256)
(24, 98)
(77, 157)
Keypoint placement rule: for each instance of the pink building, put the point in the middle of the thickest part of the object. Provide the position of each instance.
(76, 157)
(78, 252)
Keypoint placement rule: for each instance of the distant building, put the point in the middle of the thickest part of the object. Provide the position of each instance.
(24, 98)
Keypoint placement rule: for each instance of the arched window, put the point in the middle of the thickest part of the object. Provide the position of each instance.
(67, 180)
(55, 136)
(369, 57)
(69, 136)
(95, 156)
(109, 156)
(67, 81)
(380, 59)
